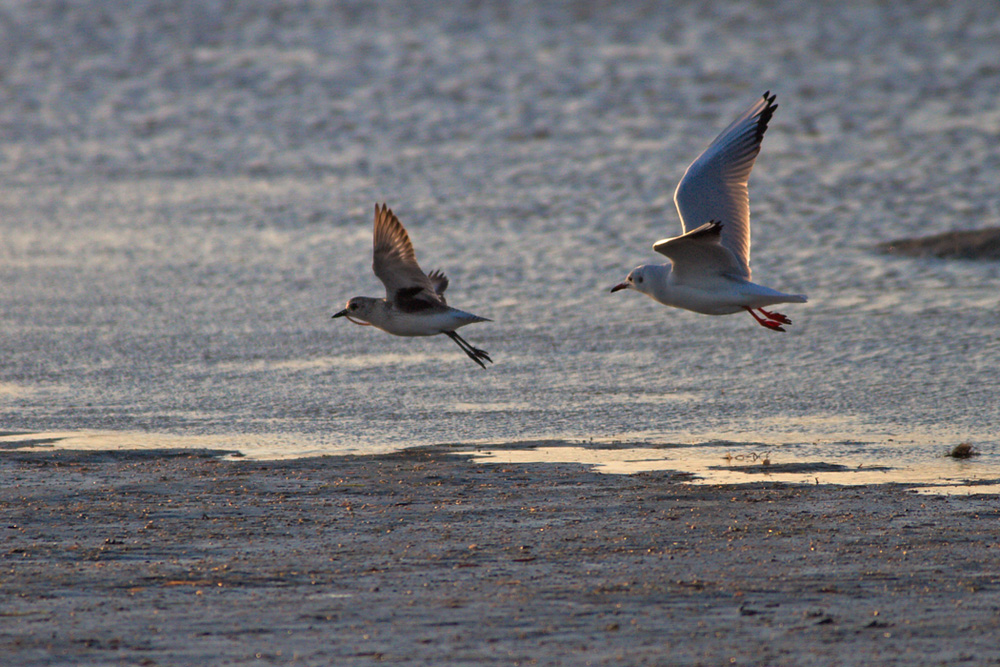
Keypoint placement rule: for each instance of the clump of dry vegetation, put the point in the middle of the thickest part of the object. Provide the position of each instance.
(963, 450)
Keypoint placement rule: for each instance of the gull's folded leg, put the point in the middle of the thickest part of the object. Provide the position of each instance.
(777, 317)
(770, 324)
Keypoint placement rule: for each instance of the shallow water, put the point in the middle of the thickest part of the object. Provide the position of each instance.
(846, 464)
(187, 197)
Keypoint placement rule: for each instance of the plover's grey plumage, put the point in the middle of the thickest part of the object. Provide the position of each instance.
(414, 303)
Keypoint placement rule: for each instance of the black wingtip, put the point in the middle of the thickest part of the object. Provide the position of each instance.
(710, 228)
(766, 113)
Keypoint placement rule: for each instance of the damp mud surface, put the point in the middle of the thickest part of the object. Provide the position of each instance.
(427, 557)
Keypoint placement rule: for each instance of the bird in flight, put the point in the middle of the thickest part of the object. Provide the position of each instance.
(709, 269)
(414, 303)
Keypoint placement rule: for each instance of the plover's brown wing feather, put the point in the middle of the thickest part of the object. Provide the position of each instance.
(395, 263)
(439, 281)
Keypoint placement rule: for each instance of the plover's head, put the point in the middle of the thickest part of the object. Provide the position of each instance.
(636, 279)
(359, 308)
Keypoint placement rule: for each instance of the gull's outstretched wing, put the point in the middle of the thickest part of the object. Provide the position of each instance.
(395, 264)
(699, 253)
(714, 187)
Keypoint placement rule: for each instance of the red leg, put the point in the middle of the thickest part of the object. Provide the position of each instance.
(777, 317)
(770, 324)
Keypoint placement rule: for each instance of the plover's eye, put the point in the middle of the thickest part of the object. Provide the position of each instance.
(353, 306)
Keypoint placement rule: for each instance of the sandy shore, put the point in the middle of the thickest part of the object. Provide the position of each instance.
(423, 557)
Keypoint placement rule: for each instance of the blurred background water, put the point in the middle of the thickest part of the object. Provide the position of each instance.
(186, 194)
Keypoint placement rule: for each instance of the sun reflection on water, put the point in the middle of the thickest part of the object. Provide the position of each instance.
(741, 464)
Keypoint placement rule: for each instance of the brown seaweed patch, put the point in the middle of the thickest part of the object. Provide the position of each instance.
(983, 244)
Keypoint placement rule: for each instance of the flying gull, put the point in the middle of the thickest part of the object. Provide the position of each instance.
(709, 269)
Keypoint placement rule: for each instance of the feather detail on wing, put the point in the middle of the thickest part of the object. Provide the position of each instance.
(395, 264)
(439, 281)
(714, 187)
(699, 253)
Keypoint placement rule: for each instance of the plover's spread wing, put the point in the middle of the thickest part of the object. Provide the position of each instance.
(395, 264)
(440, 283)
(699, 253)
(714, 187)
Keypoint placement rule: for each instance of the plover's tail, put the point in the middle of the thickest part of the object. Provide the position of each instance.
(467, 318)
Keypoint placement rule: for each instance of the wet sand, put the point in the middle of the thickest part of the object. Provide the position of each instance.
(424, 557)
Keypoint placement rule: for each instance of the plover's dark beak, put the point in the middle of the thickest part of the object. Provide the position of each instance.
(617, 287)
(342, 313)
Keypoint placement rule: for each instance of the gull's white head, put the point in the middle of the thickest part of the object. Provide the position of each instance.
(359, 308)
(637, 279)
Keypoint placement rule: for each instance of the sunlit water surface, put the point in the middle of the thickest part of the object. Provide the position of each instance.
(186, 198)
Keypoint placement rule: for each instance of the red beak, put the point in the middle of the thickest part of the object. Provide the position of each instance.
(619, 286)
